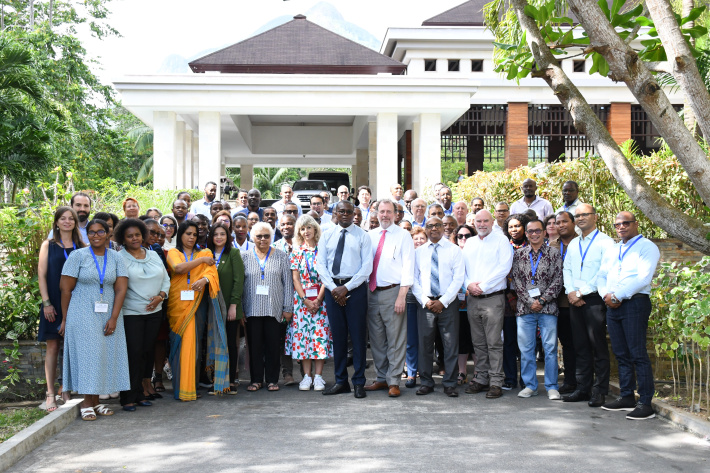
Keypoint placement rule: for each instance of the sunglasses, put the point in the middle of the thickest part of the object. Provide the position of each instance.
(462, 236)
(262, 237)
(169, 225)
(625, 223)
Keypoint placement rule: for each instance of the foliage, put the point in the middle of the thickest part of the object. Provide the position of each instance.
(680, 323)
(109, 195)
(597, 186)
(14, 420)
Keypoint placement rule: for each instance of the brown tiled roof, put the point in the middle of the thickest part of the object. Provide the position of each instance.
(298, 47)
(466, 14)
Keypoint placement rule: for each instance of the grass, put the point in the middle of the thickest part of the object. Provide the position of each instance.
(14, 420)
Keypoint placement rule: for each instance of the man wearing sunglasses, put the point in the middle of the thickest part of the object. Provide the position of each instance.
(625, 281)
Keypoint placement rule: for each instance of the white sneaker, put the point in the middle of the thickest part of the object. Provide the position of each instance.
(305, 384)
(553, 395)
(104, 397)
(318, 383)
(527, 392)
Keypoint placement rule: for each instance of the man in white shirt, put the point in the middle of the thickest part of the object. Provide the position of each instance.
(392, 275)
(203, 206)
(318, 206)
(570, 197)
(502, 212)
(587, 309)
(286, 197)
(624, 279)
(460, 212)
(438, 277)
(488, 258)
(530, 200)
(397, 191)
(418, 212)
(445, 198)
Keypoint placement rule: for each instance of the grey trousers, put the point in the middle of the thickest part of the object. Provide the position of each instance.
(388, 335)
(486, 319)
(448, 323)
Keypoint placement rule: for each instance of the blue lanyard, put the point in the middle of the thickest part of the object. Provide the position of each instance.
(533, 266)
(262, 266)
(562, 250)
(192, 256)
(102, 274)
(621, 257)
(584, 255)
(308, 267)
(65, 250)
(219, 258)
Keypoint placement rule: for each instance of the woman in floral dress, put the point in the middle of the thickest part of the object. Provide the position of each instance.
(308, 337)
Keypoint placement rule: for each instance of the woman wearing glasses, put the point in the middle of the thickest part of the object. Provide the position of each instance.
(93, 285)
(459, 237)
(268, 301)
(169, 223)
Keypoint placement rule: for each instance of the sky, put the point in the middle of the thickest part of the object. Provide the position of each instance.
(153, 29)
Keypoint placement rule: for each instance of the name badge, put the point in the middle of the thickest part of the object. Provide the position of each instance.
(311, 292)
(579, 284)
(187, 295)
(101, 307)
(462, 296)
(535, 292)
(262, 290)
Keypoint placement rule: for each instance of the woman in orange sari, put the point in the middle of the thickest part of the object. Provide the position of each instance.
(194, 300)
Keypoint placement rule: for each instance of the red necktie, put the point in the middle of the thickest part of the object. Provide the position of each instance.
(376, 263)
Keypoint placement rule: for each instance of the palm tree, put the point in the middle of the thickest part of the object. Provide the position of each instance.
(269, 180)
(142, 137)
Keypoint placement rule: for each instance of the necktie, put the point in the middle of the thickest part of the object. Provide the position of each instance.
(376, 263)
(339, 253)
(435, 270)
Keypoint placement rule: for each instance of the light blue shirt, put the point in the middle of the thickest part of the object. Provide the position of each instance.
(201, 207)
(633, 274)
(451, 272)
(356, 262)
(146, 278)
(573, 271)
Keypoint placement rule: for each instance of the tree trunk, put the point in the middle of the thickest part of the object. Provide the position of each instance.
(688, 113)
(681, 60)
(624, 65)
(676, 223)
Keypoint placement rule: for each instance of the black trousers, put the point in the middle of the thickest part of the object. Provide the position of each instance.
(589, 332)
(564, 333)
(264, 338)
(233, 347)
(141, 334)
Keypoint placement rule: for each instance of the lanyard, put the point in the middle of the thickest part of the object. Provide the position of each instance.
(102, 274)
(584, 255)
(562, 250)
(219, 258)
(308, 267)
(192, 256)
(65, 250)
(621, 257)
(533, 266)
(262, 266)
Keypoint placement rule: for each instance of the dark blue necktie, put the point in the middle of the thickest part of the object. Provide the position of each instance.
(339, 253)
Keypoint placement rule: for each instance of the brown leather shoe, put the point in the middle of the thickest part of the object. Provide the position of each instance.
(424, 390)
(451, 391)
(494, 392)
(394, 391)
(475, 387)
(376, 386)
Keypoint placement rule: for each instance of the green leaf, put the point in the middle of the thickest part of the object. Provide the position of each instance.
(567, 38)
(696, 31)
(693, 15)
(504, 47)
(605, 8)
(531, 11)
(512, 72)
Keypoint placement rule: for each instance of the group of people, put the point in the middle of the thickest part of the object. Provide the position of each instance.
(422, 283)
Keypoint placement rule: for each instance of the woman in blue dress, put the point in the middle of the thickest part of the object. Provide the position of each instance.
(52, 255)
(93, 286)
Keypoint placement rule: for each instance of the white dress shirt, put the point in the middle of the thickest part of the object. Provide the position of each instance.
(356, 262)
(583, 278)
(451, 272)
(626, 273)
(497, 228)
(245, 247)
(569, 208)
(280, 205)
(397, 258)
(542, 207)
(488, 261)
(326, 223)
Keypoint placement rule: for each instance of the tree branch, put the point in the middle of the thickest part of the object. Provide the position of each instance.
(659, 66)
(634, 33)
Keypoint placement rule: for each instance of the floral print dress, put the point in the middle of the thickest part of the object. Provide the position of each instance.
(308, 336)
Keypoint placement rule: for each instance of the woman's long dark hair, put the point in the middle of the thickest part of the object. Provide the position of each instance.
(75, 233)
(210, 238)
(181, 230)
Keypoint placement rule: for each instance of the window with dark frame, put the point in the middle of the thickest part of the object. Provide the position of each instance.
(579, 65)
(430, 65)
(477, 65)
(454, 65)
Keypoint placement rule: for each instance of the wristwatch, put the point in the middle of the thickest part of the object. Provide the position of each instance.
(46, 303)
(614, 299)
(578, 294)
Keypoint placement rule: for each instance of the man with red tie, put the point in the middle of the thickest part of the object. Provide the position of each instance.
(392, 275)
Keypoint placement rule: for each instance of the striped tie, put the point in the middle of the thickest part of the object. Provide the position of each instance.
(435, 270)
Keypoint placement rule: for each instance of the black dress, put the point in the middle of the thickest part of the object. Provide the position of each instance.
(55, 262)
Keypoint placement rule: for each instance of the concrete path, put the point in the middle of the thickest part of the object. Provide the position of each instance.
(291, 430)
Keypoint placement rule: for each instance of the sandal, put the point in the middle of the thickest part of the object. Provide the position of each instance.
(272, 387)
(103, 410)
(232, 389)
(461, 379)
(157, 382)
(87, 413)
(254, 387)
(51, 406)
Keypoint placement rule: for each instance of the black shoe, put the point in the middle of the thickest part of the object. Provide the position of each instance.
(627, 403)
(337, 389)
(508, 386)
(410, 383)
(144, 403)
(567, 389)
(360, 391)
(642, 412)
(597, 400)
(150, 397)
(576, 396)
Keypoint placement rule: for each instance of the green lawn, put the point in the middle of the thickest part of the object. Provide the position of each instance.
(14, 420)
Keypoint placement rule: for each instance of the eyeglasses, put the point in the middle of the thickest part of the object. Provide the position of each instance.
(345, 212)
(584, 215)
(433, 225)
(625, 223)
(156, 234)
(97, 233)
(262, 237)
(169, 225)
(462, 236)
(537, 231)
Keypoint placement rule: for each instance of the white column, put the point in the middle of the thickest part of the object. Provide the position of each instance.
(372, 158)
(195, 162)
(465, 66)
(416, 176)
(361, 158)
(210, 148)
(188, 156)
(386, 153)
(442, 66)
(246, 176)
(429, 151)
(164, 137)
(415, 67)
(180, 155)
